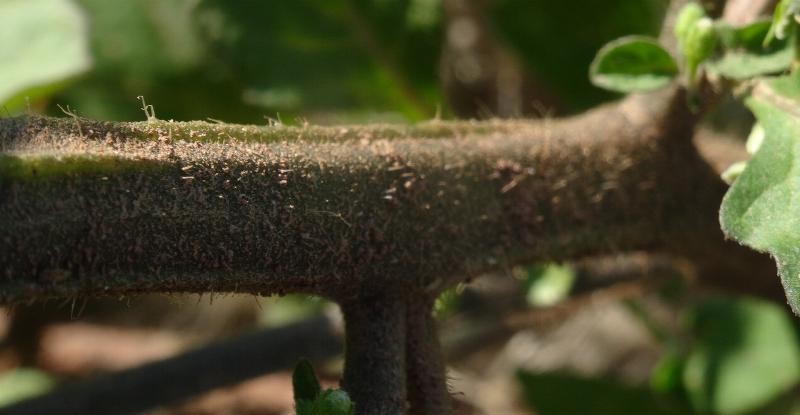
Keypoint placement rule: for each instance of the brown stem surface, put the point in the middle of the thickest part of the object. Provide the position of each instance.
(374, 372)
(349, 213)
(161, 206)
(425, 369)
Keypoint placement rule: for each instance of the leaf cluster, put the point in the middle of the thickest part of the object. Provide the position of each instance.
(640, 64)
(311, 399)
(762, 207)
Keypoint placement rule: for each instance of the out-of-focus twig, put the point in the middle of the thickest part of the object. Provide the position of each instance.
(174, 380)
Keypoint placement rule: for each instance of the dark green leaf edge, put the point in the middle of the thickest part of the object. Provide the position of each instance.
(762, 208)
(636, 79)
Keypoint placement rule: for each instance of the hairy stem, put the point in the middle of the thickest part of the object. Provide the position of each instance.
(425, 371)
(114, 208)
(374, 373)
(348, 213)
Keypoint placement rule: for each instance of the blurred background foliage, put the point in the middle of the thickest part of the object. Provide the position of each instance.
(327, 61)
(349, 61)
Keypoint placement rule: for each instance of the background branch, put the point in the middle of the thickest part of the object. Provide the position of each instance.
(173, 380)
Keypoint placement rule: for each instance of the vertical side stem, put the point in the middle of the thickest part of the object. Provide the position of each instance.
(427, 381)
(374, 373)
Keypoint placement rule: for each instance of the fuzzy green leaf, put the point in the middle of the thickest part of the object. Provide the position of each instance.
(762, 208)
(633, 64)
(33, 61)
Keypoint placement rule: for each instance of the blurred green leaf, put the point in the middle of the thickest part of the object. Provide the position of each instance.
(557, 40)
(44, 45)
(280, 310)
(687, 19)
(745, 56)
(304, 407)
(786, 89)
(153, 48)
(424, 14)
(446, 303)
(699, 44)
(755, 138)
(762, 207)
(309, 397)
(352, 54)
(549, 284)
(246, 60)
(749, 37)
(20, 384)
(304, 382)
(733, 172)
(562, 394)
(782, 19)
(697, 38)
(745, 355)
(633, 64)
(667, 376)
(334, 402)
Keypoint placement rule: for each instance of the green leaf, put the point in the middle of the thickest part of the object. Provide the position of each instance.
(334, 402)
(755, 138)
(697, 37)
(45, 43)
(762, 208)
(256, 58)
(309, 398)
(699, 44)
(667, 375)
(746, 56)
(447, 302)
(21, 384)
(280, 310)
(733, 172)
(633, 64)
(782, 20)
(304, 382)
(740, 65)
(560, 62)
(688, 17)
(424, 14)
(745, 355)
(783, 91)
(549, 284)
(564, 394)
(302, 407)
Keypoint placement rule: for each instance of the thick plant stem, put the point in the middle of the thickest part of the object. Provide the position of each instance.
(374, 373)
(425, 371)
(116, 208)
(93, 208)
